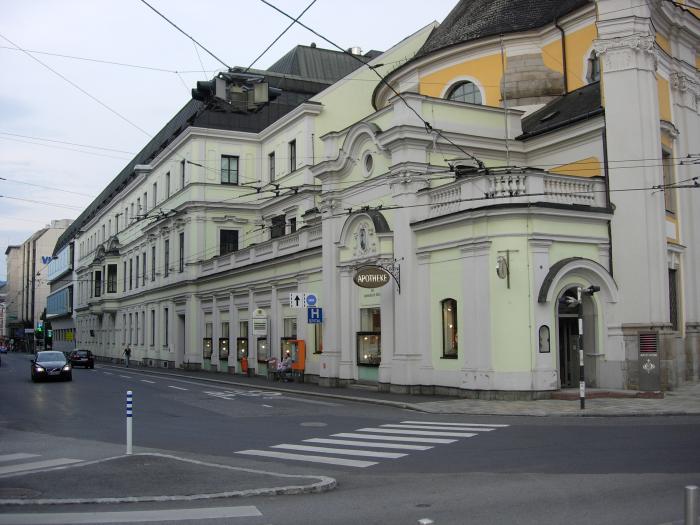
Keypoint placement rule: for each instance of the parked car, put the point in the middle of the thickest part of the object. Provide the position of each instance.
(51, 365)
(82, 358)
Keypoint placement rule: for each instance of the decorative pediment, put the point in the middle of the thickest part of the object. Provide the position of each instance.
(362, 232)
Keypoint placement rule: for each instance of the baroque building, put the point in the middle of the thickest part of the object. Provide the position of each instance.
(523, 175)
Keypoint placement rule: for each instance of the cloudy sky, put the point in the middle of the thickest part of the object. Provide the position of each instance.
(69, 125)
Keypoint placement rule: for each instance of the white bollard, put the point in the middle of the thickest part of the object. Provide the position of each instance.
(129, 406)
(691, 505)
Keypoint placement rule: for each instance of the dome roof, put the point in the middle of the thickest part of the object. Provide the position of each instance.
(472, 19)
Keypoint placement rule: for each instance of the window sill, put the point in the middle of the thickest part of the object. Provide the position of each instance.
(370, 365)
(449, 357)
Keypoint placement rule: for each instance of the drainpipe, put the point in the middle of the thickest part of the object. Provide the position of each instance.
(563, 54)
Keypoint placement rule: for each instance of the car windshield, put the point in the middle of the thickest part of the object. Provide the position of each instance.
(50, 356)
(82, 353)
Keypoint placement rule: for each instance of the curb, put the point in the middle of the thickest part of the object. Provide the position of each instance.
(417, 406)
(324, 484)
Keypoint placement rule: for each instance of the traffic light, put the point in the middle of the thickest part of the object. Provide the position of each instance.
(39, 330)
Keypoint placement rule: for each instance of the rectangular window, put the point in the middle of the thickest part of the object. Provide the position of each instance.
(292, 156)
(145, 202)
(137, 272)
(98, 283)
(206, 342)
(131, 326)
(104, 238)
(449, 328)
(673, 298)
(181, 264)
(124, 290)
(143, 328)
(271, 162)
(138, 206)
(136, 328)
(277, 228)
(166, 326)
(109, 228)
(290, 327)
(111, 278)
(229, 169)
(153, 327)
(182, 173)
(131, 274)
(155, 194)
(292, 225)
(143, 273)
(228, 241)
(224, 341)
(153, 263)
(318, 338)
(166, 258)
(369, 337)
(167, 185)
(669, 180)
(123, 328)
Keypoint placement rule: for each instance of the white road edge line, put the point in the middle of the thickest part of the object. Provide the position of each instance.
(147, 381)
(132, 516)
(176, 387)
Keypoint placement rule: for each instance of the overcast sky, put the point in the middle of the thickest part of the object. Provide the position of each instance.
(85, 144)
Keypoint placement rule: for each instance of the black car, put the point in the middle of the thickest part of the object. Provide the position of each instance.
(82, 358)
(51, 365)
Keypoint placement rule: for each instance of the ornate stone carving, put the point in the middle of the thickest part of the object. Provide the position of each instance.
(688, 88)
(628, 52)
(365, 240)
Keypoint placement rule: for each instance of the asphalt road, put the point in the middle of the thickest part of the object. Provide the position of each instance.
(521, 470)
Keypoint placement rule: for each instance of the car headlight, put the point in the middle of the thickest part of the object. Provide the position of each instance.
(39, 368)
(66, 368)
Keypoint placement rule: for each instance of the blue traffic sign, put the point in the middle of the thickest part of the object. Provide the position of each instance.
(311, 299)
(314, 315)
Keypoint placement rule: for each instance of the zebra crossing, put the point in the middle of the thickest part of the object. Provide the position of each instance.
(17, 463)
(374, 443)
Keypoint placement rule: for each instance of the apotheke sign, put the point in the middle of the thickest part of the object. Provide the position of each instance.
(371, 277)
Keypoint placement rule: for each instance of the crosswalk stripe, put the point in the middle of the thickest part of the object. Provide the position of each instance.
(455, 424)
(131, 516)
(416, 432)
(37, 465)
(435, 427)
(19, 455)
(374, 444)
(394, 438)
(313, 459)
(341, 451)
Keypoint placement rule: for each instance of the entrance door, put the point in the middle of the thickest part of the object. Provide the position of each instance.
(180, 343)
(568, 352)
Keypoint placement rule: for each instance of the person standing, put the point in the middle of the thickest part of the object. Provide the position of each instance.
(127, 355)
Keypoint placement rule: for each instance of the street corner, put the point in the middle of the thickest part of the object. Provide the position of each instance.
(150, 477)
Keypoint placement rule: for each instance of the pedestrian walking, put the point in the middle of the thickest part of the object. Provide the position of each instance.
(127, 355)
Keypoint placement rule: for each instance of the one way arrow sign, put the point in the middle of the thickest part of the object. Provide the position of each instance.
(296, 300)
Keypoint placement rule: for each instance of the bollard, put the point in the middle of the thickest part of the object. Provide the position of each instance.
(691, 505)
(129, 406)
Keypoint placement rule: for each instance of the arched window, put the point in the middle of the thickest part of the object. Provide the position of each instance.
(465, 92)
(449, 328)
(593, 74)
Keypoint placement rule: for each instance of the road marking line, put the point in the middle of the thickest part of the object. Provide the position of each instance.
(19, 455)
(126, 377)
(394, 438)
(108, 373)
(147, 381)
(432, 427)
(341, 451)
(312, 459)
(374, 444)
(37, 465)
(455, 424)
(416, 432)
(267, 406)
(132, 516)
(176, 387)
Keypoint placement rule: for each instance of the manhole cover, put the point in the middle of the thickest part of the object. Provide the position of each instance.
(18, 493)
(313, 424)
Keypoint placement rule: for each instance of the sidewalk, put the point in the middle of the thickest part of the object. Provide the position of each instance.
(683, 401)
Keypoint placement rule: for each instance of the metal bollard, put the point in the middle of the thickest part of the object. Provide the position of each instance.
(129, 413)
(691, 505)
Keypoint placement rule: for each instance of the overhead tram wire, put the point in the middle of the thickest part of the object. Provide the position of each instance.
(184, 33)
(428, 127)
(76, 86)
(279, 36)
(46, 187)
